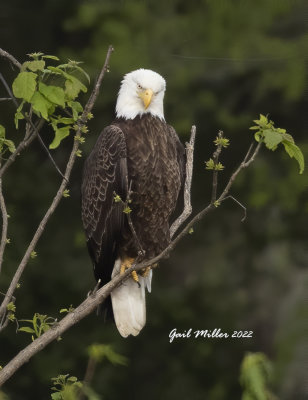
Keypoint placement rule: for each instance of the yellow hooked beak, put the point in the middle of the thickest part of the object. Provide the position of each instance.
(146, 96)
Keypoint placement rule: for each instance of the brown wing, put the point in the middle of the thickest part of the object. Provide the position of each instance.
(105, 172)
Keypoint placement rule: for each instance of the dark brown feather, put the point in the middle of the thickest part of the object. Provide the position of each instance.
(146, 153)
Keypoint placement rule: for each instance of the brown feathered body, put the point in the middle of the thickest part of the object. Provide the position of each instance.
(145, 155)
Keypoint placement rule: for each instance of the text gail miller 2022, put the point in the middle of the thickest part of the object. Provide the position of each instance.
(207, 334)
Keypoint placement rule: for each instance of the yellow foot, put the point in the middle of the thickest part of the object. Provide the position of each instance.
(126, 264)
(145, 272)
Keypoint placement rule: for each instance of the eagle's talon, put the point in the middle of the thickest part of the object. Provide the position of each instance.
(92, 293)
(145, 271)
(126, 264)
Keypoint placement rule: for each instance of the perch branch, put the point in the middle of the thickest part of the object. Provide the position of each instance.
(187, 186)
(91, 302)
(61, 189)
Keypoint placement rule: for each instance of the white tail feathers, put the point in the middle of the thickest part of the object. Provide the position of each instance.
(128, 303)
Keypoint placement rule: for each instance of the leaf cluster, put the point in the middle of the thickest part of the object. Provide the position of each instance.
(99, 352)
(52, 93)
(66, 387)
(211, 165)
(11, 308)
(5, 144)
(255, 376)
(39, 324)
(272, 137)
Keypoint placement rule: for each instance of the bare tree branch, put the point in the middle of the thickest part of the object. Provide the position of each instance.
(98, 297)
(141, 252)
(246, 162)
(61, 189)
(12, 59)
(215, 171)
(28, 139)
(187, 186)
(4, 225)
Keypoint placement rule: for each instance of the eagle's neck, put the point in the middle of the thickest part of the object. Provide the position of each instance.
(130, 107)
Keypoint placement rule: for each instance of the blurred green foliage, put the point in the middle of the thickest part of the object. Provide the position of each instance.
(255, 376)
(224, 62)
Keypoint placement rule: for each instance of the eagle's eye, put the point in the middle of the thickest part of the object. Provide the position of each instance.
(139, 86)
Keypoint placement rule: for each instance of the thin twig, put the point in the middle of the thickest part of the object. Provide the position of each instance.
(59, 195)
(49, 155)
(246, 162)
(141, 252)
(12, 59)
(21, 146)
(240, 204)
(29, 121)
(187, 186)
(7, 88)
(215, 171)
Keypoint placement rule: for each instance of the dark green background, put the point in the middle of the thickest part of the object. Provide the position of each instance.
(224, 62)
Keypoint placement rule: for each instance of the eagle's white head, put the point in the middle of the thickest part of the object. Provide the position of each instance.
(142, 91)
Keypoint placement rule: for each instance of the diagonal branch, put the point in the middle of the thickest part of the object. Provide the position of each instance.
(4, 225)
(28, 139)
(59, 195)
(12, 59)
(91, 302)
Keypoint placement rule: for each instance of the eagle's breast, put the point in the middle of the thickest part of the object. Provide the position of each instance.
(154, 175)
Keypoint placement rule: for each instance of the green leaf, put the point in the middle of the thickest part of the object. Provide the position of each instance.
(65, 120)
(11, 307)
(76, 108)
(2, 131)
(36, 65)
(55, 70)
(51, 57)
(41, 105)
(100, 351)
(287, 137)
(56, 396)
(295, 151)
(36, 55)
(272, 138)
(60, 134)
(83, 72)
(54, 94)
(73, 88)
(18, 114)
(26, 329)
(10, 145)
(17, 117)
(210, 164)
(24, 85)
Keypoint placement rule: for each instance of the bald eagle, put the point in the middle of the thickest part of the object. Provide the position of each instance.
(141, 152)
